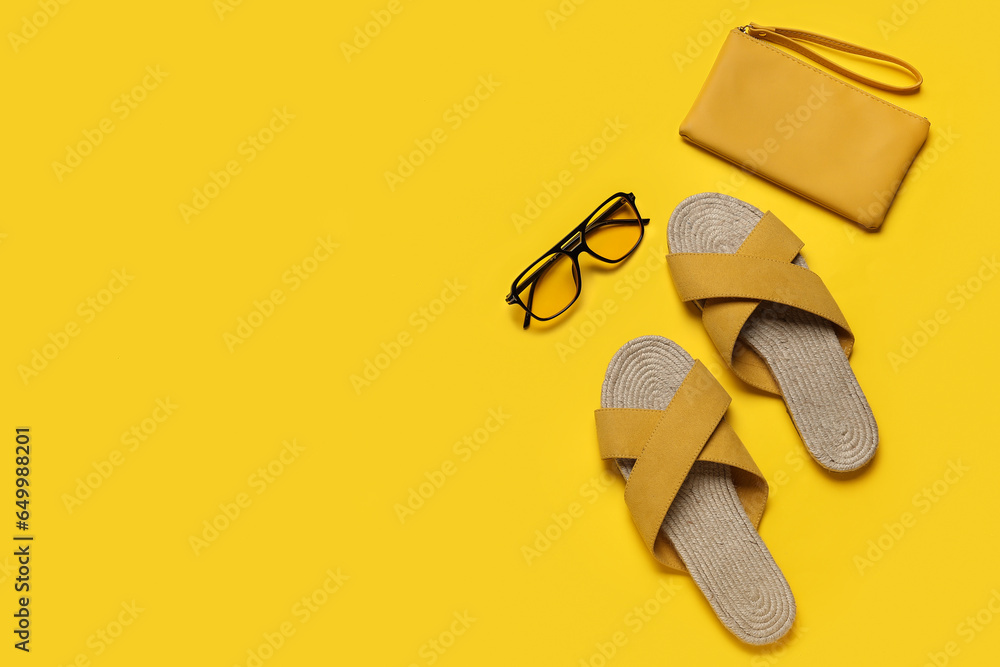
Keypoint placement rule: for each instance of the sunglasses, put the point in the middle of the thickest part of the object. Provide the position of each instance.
(548, 287)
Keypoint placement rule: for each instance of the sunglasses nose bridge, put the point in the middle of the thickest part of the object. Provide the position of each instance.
(574, 242)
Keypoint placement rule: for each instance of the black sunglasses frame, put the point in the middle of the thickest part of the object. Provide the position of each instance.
(573, 250)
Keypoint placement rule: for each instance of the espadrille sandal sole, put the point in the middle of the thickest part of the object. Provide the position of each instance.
(692, 489)
(787, 337)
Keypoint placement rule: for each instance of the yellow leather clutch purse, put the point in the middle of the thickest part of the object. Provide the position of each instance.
(803, 128)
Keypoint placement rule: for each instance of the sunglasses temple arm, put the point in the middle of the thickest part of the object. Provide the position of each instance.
(527, 311)
(621, 202)
(612, 221)
(533, 278)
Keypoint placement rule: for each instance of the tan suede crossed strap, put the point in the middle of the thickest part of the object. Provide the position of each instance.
(728, 287)
(665, 445)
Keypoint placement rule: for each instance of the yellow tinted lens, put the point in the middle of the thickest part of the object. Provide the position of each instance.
(614, 230)
(549, 286)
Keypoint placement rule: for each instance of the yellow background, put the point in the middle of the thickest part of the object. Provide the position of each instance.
(334, 507)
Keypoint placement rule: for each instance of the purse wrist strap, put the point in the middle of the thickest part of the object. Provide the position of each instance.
(787, 38)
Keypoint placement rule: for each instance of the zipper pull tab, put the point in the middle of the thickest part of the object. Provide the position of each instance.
(758, 30)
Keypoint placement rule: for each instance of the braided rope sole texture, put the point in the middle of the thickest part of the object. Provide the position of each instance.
(706, 522)
(822, 395)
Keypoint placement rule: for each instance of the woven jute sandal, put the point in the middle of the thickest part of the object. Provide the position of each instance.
(773, 321)
(693, 490)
